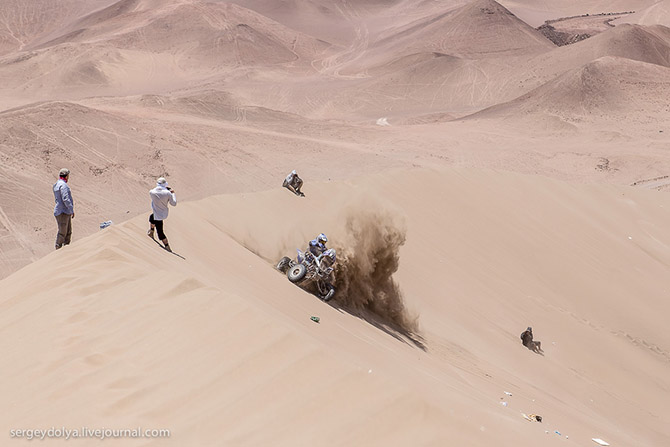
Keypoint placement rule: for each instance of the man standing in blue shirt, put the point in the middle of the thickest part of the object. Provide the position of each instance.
(64, 209)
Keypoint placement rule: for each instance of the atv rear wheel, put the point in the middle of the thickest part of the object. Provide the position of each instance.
(330, 294)
(326, 290)
(296, 273)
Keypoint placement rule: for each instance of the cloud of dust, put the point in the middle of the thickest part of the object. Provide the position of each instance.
(368, 255)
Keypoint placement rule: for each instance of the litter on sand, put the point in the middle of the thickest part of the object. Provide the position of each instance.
(508, 393)
(315, 319)
(599, 441)
(105, 224)
(532, 417)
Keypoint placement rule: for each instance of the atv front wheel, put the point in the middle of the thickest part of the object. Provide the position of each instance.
(296, 273)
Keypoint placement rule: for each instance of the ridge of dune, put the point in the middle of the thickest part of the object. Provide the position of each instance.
(655, 14)
(609, 88)
(133, 47)
(234, 345)
(325, 20)
(536, 13)
(649, 44)
(482, 28)
(217, 33)
(644, 44)
(119, 147)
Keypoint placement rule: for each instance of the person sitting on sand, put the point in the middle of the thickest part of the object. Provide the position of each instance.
(293, 183)
(527, 340)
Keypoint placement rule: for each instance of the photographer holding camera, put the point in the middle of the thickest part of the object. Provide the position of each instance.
(161, 196)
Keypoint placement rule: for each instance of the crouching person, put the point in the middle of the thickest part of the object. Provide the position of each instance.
(293, 183)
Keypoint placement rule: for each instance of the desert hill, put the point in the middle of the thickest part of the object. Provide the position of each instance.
(536, 13)
(220, 34)
(656, 14)
(474, 178)
(645, 44)
(118, 151)
(236, 335)
(608, 88)
(26, 21)
(136, 46)
(489, 28)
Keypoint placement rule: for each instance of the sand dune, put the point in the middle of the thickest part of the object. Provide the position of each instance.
(138, 46)
(656, 14)
(117, 153)
(482, 28)
(479, 28)
(474, 178)
(607, 89)
(199, 32)
(231, 335)
(536, 12)
(25, 21)
(645, 44)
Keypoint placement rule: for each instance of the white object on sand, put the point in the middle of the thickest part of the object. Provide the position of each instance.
(599, 441)
(383, 122)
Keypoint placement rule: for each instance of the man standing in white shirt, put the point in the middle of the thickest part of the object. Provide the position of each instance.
(293, 183)
(161, 196)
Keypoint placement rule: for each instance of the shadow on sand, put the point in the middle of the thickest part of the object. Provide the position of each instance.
(395, 331)
(534, 346)
(171, 252)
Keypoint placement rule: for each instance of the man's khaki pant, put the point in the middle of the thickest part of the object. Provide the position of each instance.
(64, 230)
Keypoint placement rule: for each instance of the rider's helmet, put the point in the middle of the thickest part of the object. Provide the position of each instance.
(322, 238)
(530, 329)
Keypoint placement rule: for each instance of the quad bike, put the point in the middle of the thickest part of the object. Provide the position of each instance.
(311, 272)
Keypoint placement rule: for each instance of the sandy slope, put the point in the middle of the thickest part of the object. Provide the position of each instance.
(219, 348)
(608, 88)
(24, 21)
(536, 12)
(656, 14)
(449, 137)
